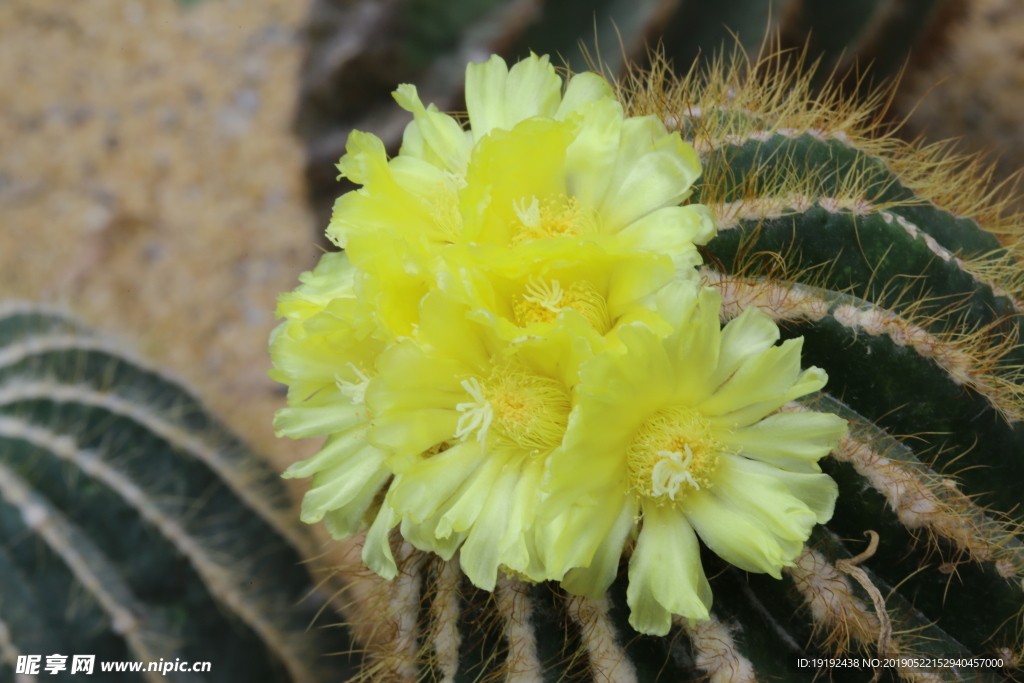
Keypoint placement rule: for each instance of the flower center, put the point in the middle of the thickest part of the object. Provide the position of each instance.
(541, 302)
(673, 453)
(560, 217)
(529, 411)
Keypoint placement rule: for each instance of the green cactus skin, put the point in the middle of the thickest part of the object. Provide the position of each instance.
(133, 527)
(896, 266)
(358, 50)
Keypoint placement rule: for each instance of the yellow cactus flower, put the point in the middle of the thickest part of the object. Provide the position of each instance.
(513, 360)
(535, 166)
(469, 421)
(326, 359)
(679, 434)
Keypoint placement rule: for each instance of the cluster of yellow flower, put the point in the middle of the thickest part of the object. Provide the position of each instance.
(513, 358)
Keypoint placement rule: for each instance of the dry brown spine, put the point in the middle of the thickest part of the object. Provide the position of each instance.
(607, 658)
(841, 618)
(514, 605)
(716, 653)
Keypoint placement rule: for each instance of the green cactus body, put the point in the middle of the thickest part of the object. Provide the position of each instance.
(133, 527)
(892, 263)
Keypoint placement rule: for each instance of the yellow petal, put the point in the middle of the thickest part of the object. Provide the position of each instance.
(791, 441)
(348, 520)
(736, 537)
(441, 133)
(428, 484)
(665, 573)
(337, 485)
(377, 547)
(593, 580)
(583, 88)
(499, 97)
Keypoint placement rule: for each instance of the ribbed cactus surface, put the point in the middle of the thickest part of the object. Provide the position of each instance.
(897, 268)
(133, 527)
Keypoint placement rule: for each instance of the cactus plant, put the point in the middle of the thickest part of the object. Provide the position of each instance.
(358, 51)
(895, 266)
(134, 527)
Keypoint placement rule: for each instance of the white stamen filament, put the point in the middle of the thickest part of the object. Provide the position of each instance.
(547, 296)
(477, 414)
(669, 473)
(354, 391)
(529, 216)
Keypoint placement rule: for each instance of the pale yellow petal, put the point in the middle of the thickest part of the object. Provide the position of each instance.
(347, 520)
(654, 169)
(498, 97)
(336, 486)
(594, 579)
(377, 547)
(481, 552)
(736, 537)
(665, 573)
(441, 132)
(583, 88)
(791, 441)
(428, 484)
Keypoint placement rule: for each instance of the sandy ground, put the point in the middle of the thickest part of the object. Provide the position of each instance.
(149, 182)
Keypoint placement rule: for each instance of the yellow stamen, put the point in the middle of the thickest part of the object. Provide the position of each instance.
(517, 407)
(673, 453)
(559, 217)
(542, 302)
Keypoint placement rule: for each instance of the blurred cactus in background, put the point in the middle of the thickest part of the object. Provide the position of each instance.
(133, 527)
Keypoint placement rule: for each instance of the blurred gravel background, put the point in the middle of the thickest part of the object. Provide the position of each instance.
(149, 181)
